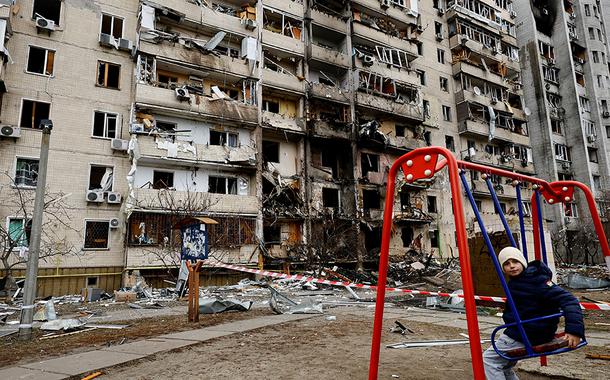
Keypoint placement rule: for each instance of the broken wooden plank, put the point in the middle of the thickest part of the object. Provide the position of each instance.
(597, 356)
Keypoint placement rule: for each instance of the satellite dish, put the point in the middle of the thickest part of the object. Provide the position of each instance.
(477, 90)
(527, 111)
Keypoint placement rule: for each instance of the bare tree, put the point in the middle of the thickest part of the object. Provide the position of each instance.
(161, 240)
(579, 246)
(15, 236)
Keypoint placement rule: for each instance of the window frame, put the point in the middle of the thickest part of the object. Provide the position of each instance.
(61, 9)
(117, 133)
(23, 100)
(107, 65)
(168, 186)
(24, 221)
(107, 248)
(112, 24)
(91, 165)
(227, 186)
(20, 186)
(46, 57)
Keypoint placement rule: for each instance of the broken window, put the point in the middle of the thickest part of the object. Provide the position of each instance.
(100, 178)
(40, 61)
(167, 80)
(96, 234)
(433, 238)
(421, 74)
(278, 22)
(112, 25)
(271, 151)
(271, 106)
(370, 163)
(108, 74)
(105, 124)
(562, 152)
(49, 9)
(371, 199)
(432, 204)
(222, 185)
(162, 180)
(440, 55)
(33, 112)
(19, 230)
(446, 113)
(92, 281)
(557, 126)
(224, 138)
(450, 143)
(593, 155)
(406, 235)
(405, 198)
(330, 197)
(26, 172)
(444, 84)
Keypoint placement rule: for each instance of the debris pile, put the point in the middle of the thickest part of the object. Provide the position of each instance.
(583, 276)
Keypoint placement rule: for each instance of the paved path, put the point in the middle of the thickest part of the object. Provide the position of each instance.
(87, 362)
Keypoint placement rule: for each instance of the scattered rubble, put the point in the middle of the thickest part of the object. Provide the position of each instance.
(216, 305)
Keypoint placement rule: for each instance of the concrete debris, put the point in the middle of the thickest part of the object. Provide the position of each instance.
(577, 281)
(46, 312)
(281, 304)
(400, 328)
(217, 305)
(63, 324)
(371, 130)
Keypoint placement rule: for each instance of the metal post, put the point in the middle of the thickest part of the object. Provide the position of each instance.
(29, 287)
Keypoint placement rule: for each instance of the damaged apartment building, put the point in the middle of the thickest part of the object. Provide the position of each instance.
(277, 119)
(565, 43)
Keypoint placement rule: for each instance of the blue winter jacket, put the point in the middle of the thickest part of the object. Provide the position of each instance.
(535, 296)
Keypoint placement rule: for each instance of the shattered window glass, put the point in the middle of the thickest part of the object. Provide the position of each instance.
(26, 172)
(32, 113)
(19, 231)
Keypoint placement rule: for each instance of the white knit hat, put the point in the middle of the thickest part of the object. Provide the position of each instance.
(511, 253)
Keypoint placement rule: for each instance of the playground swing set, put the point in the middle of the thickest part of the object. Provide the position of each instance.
(423, 163)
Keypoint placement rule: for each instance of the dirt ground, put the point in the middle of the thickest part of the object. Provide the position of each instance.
(315, 348)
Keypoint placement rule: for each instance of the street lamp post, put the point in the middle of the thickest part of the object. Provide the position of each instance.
(29, 287)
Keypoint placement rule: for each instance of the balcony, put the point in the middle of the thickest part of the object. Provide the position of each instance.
(331, 56)
(380, 38)
(388, 105)
(283, 81)
(178, 53)
(328, 21)
(503, 190)
(327, 92)
(457, 41)
(157, 148)
(295, 8)
(407, 214)
(481, 128)
(471, 16)
(469, 96)
(219, 203)
(484, 158)
(329, 129)
(383, 69)
(210, 19)
(196, 105)
(477, 72)
(403, 15)
(283, 43)
(275, 120)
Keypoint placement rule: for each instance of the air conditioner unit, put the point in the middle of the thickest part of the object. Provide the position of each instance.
(419, 29)
(513, 14)
(368, 60)
(118, 144)
(182, 93)
(494, 99)
(385, 4)
(125, 44)
(95, 196)
(441, 11)
(10, 131)
(114, 197)
(495, 50)
(250, 24)
(606, 114)
(114, 223)
(106, 40)
(565, 166)
(547, 86)
(551, 61)
(573, 35)
(465, 38)
(43, 23)
(580, 60)
(439, 36)
(591, 138)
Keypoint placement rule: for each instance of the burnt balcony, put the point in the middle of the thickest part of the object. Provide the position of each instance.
(408, 214)
(478, 127)
(380, 38)
(478, 72)
(459, 42)
(327, 92)
(235, 67)
(331, 56)
(283, 122)
(196, 105)
(283, 43)
(219, 203)
(498, 104)
(208, 18)
(390, 106)
(328, 21)
(403, 15)
(283, 81)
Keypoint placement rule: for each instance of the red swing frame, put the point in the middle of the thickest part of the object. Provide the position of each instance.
(423, 163)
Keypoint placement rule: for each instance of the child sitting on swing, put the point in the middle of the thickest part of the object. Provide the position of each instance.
(535, 295)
